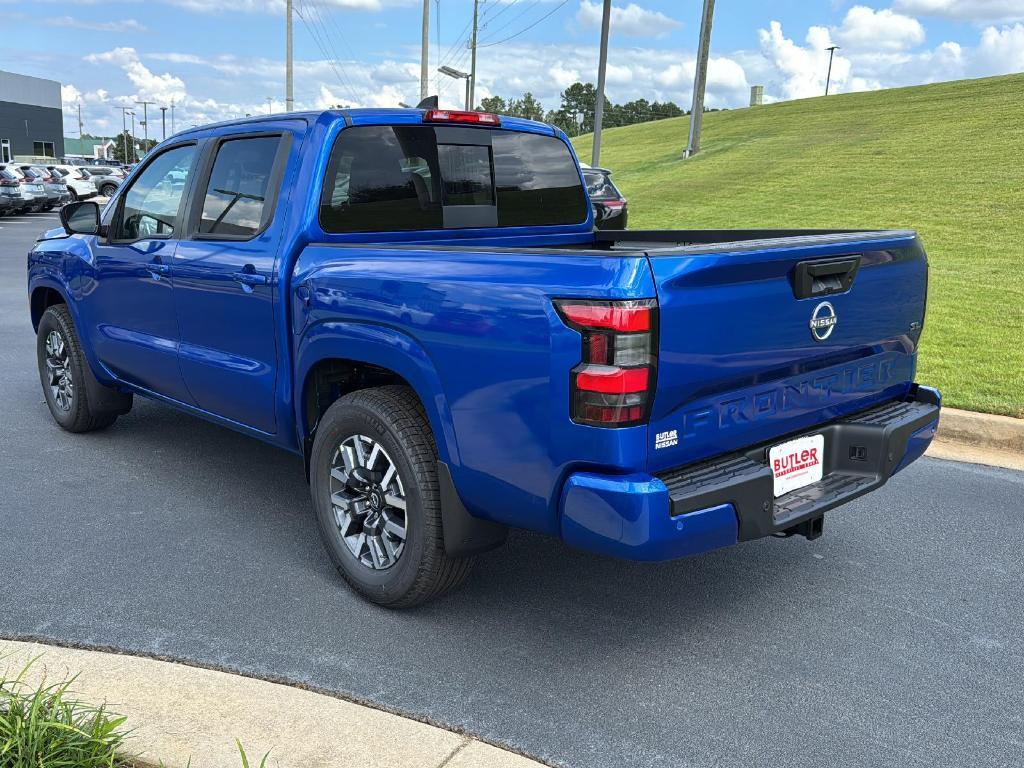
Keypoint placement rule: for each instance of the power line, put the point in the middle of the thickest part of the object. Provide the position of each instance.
(321, 38)
(526, 28)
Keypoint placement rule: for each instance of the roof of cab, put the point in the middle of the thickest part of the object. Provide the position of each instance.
(366, 116)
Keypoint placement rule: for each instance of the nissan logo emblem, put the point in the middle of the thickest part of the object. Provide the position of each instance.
(823, 321)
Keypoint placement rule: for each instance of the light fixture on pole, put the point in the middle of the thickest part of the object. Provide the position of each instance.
(459, 75)
(831, 53)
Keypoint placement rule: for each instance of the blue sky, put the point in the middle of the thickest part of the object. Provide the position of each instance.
(223, 58)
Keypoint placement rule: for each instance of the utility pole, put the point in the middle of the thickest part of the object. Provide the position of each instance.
(172, 117)
(80, 120)
(602, 66)
(700, 81)
(831, 53)
(163, 123)
(145, 123)
(289, 76)
(270, 105)
(472, 66)
(425, 51)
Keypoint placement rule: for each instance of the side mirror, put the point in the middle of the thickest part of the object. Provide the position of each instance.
(81, 218)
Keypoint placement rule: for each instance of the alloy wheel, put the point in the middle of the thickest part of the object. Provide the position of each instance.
(58, 371)
(369, 502)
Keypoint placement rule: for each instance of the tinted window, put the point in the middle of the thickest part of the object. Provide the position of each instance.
(538, 182)
(236, 195)
(150, 207)
(385, 178)
(382, 178)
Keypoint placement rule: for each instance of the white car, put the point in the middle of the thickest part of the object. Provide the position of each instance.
(79, 184)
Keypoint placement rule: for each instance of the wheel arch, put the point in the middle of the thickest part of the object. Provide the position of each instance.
(335, 358)
(42, 297)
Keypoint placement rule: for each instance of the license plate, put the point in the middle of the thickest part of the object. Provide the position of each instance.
(797, 463)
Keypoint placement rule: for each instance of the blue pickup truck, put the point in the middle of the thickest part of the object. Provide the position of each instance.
(418, 303)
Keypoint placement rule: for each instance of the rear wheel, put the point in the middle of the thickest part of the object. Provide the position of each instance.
(63, 371)
(375, 489)
(107, 190)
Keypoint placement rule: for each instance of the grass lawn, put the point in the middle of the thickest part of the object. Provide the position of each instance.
(946, 160)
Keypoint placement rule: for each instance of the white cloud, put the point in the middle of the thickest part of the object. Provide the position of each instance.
(161, 88)
(1001, 51)
(866, 28)
(802, 69)
(125, 25)
(965, 10)
(631, 20)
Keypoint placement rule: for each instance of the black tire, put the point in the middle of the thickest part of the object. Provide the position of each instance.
(393, 417)
(108, 189)
(74, 195)
(78, 415)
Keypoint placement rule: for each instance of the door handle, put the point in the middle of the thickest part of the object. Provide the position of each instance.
(250, 278)
(157, 268)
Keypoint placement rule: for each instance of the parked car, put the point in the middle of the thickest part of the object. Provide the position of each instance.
(610, 207)
(19, 185)
(417, 304)
(54, 187)
(105, 178)
(80, 185)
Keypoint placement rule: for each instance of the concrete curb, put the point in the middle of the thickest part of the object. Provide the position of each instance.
(181, 715)
(979, 438)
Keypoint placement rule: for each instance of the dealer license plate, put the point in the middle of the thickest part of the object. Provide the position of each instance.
(797, 463)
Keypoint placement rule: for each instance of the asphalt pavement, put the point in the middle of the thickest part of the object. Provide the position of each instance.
(894, 640)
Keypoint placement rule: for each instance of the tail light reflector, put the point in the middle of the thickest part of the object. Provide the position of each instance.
(613, 385)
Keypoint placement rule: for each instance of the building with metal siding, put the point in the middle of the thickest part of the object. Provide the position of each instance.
(31, 117)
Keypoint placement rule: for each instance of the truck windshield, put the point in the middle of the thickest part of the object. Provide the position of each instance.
(391, 178)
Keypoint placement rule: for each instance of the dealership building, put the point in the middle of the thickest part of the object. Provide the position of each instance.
(31, 117)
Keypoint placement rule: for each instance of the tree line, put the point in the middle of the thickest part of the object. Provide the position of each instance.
(575, 115)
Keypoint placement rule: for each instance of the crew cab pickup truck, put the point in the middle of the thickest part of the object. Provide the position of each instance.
(417, 302)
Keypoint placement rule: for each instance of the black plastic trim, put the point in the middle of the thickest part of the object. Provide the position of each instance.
(464, 534)
(861, 453)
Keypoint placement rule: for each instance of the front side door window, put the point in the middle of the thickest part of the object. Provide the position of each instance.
(151, 207)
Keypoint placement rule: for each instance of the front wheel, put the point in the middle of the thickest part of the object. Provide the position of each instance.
(375, 490)
(107, 190)
(63, 370)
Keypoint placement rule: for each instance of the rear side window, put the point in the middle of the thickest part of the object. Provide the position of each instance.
(235, 204)
(395, 178)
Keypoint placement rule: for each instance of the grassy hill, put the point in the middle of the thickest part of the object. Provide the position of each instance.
(945, 159)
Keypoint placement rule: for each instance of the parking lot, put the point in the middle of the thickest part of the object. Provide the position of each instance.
(893, 640)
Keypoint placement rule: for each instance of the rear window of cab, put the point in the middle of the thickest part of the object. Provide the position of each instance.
(401, 178)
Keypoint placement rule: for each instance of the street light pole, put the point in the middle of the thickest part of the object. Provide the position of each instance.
(602, 66)
(425, 51)
(145, 123)
(460, 75)
(163, 123)
(135, 152)
(700, 81)
(831, 53)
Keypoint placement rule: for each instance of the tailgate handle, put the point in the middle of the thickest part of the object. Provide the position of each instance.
(824, 277)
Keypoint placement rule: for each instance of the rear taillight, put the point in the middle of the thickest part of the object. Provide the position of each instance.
(8, 183)
(613, 385)
(614, 205)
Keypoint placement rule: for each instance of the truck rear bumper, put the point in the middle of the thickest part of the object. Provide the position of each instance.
(716, 503)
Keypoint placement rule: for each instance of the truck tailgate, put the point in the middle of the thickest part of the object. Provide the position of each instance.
(763, 338)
